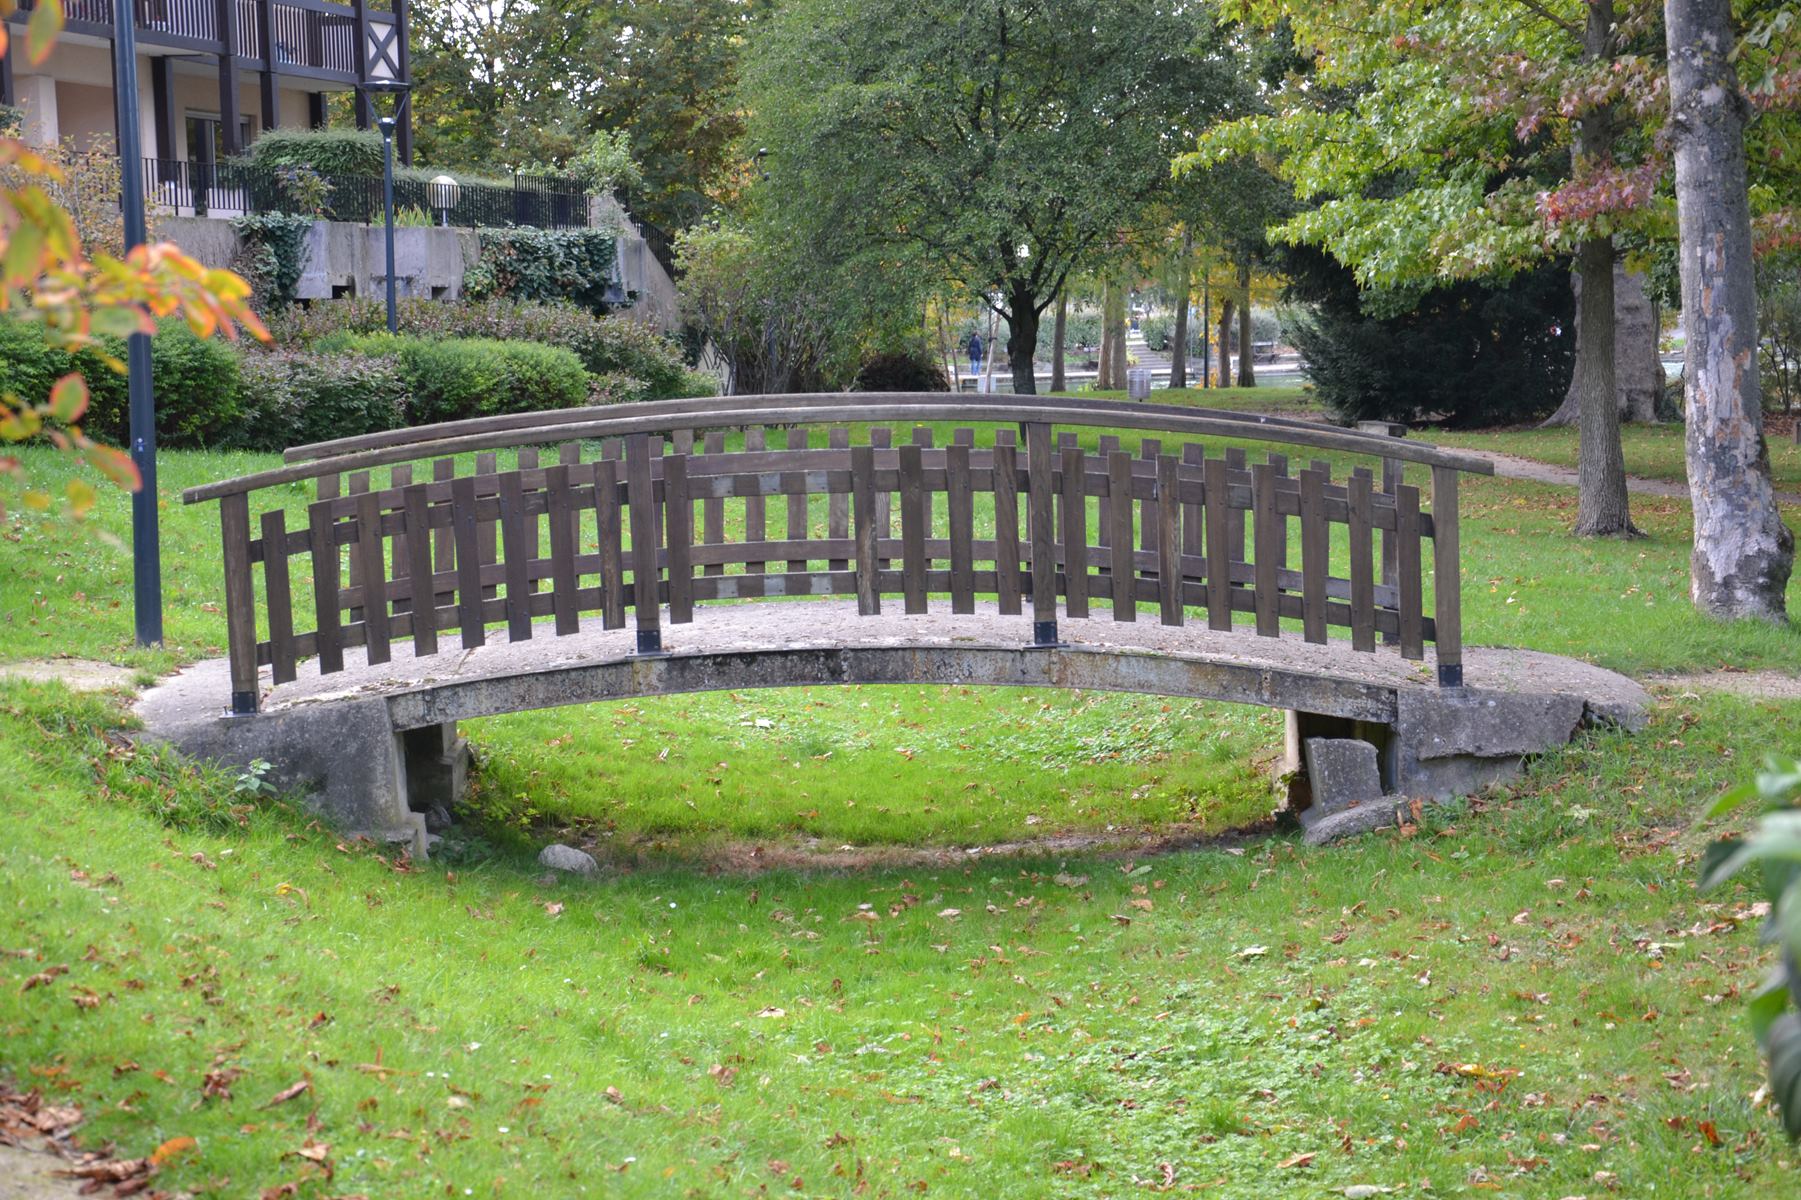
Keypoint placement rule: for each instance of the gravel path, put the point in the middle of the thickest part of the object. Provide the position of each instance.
(1509, 466)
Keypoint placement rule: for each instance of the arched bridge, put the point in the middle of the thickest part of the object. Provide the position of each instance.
(1050, 541)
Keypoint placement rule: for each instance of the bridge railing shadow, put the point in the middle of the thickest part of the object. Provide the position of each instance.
(646, 513)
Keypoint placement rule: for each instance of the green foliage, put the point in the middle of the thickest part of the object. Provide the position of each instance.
(325, 151)
(453, 378)
(272, 256)
(1468, 354)
(913, 371)
(1773, 848)
(292, 397)
(637, 362)
(775, 333)
(544, 265)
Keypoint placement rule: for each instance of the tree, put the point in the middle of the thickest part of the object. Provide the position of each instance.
(1002, 143)
(1439, 141)
(1743, 553)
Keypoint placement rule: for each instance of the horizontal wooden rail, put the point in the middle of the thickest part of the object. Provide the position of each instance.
(1029, 520)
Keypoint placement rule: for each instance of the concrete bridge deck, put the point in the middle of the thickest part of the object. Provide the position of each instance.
(378, 743)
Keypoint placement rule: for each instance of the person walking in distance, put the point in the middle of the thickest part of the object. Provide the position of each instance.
(975, 358)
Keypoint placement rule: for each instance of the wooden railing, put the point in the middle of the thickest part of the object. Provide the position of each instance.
(307, 34)
(1021, 514)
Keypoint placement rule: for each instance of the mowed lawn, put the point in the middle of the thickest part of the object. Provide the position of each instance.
(1522, 996)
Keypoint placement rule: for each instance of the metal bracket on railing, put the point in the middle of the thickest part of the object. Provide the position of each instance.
(1044, 635)
(650, 641)
(243, 704)
(1451, 675)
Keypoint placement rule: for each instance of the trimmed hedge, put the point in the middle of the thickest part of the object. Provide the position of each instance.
(454, 378)
(327, 151)
(638, 362)
(292, 397)
(523, 263)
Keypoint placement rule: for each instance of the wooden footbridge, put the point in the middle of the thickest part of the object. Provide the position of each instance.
(1040, 520)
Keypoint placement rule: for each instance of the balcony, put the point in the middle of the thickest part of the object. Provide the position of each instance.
(307, 37)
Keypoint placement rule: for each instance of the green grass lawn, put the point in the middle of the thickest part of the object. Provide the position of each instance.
(1524, 998)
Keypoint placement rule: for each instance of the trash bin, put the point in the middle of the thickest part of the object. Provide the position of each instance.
(1138, 383)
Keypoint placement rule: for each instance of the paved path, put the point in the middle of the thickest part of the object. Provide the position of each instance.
(1510, 466)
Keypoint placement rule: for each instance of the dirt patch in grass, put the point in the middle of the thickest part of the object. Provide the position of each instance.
(1761, 685)
(78, 674)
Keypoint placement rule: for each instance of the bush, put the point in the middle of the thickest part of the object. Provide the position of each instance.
(454, 378)
(544, 264)
(327, 151)
(1159, 332)
(901, 372)
(294, 397)
(638, 362)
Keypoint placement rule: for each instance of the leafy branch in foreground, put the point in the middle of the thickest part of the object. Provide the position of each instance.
(1774, 846)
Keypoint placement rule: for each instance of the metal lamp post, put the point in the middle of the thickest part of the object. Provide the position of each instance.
(387, 124)
(146, 552)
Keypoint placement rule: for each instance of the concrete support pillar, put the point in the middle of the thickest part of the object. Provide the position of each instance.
(37, 99)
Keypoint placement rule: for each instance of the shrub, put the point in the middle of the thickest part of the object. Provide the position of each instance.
(326, 151)
(273, 256)
(901, 372)
(544, 264)
(453, 378)
(292, 397)
(640, 363)
(1159, 331)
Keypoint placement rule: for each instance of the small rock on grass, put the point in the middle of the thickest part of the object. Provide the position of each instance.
(559, 857)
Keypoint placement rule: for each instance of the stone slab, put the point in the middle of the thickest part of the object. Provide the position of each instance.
(1341, 773)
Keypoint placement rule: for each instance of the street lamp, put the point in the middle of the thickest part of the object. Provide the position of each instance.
(397, 89)
(444, 192)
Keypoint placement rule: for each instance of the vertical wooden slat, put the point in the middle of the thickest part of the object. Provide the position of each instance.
(607, 528)
(1065, 441)
(755, 528)
(1447, 582)
(1235, 462)
(518, 550)
(528, 461)
(401, 478)
(641, 499)
(371, 552)
(1075, 532)
(960, 521)
(712, 509)
(862, 481)
(278, 594)
(1219, 543)
(487, 544)
(443, 541)
(963, 437)
(563, 548)
(1193, 455)
(1148, 524)
(880, 439)
(914, 513)
(1278, 465)
(1006, 522)
(1169, 539)
(322, 535)
(1393, 476)
(797, 502)
(1103, 518)
(678, 531)
(1363, 567)
(327, 488)
(1119, 517)
(1410, 588)
(419, 551)
(681, 441)
(466, 527)
(837, 505)
(356, 483)
(569, 454)
(1041, 528)
(1265, 537)
(1316, 544)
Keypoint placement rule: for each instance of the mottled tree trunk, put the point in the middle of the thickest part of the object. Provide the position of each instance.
(1225, 343)
(1058, 382)
(1178, 355)
(1601, 505)
(1113, 339)
(1247, 372)
(1637, 371)
(1743, 553)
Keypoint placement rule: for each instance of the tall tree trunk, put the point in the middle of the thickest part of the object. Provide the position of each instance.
(1743, 553)
(1206, 330)
(1247, 373)
(1113, 339)
(1601, 506)
(1178, 355)
(1225, 342)
(1103, 356)
(1058, 382)
(1637, 370)
(1022, 340)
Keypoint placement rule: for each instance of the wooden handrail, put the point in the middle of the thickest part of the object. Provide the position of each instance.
(850, 408)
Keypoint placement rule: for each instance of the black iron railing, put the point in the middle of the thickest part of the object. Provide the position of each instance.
(230, 189)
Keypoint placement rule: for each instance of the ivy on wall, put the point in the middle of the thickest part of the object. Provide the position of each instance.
(272, 255)
(545, 265)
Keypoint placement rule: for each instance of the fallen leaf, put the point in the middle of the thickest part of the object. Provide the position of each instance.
(1296, 1160)
(172, 1147)
(288, 1093)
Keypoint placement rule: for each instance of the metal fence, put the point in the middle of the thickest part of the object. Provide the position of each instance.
(230, 189)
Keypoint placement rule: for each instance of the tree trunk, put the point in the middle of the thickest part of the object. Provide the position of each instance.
(1637, 370)
(1225, 342)
(1058, 382)
(1206, 330)
(1113, 339)
(1178, 355)
(1022, 340)
(1743, 553)
(1247, 373)
(1601, 506)
(1103, 354)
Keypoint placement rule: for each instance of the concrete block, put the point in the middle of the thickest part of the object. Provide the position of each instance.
(559, 857)
(1342, 772)
(1382, 813)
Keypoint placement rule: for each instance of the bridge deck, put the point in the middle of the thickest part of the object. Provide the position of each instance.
(812, 642)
